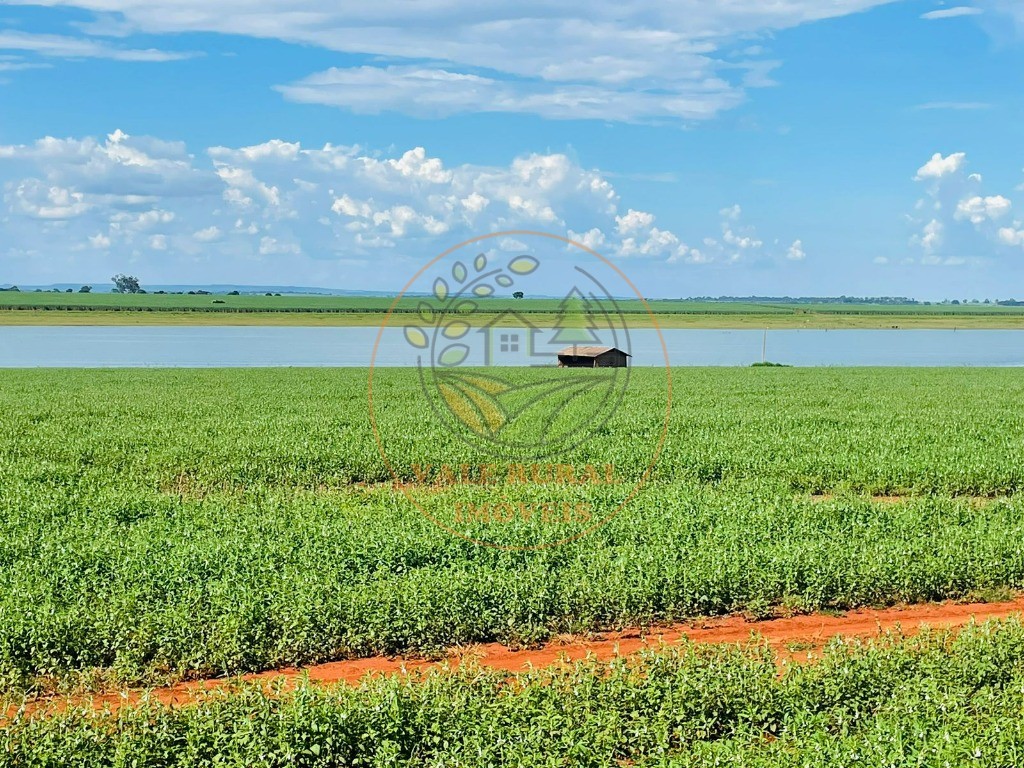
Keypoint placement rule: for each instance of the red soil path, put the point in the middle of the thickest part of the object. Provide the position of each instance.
(793, 639)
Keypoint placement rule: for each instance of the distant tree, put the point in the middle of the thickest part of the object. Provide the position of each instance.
(268, 293)
(955, 301)
(232, 293)
(85, 289)
(126, 284)
(518, 295)
(69, 290)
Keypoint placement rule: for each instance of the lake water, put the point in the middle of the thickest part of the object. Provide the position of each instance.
(219, 346)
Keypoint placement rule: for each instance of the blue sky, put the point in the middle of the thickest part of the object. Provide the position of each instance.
(751, 147)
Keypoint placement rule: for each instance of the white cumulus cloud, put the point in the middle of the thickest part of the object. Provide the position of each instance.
(633, 221)
(208, 234)
(932, 236)
(955, 220)
(940, 166)
(1012, 235)
(978, 209)
(593, 238)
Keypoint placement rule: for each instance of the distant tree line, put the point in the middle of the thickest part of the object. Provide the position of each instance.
(883, 300)
(809, 299)
(130, 284)
(16, 289)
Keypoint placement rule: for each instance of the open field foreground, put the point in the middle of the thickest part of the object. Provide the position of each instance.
(159, 526)
(166, 524)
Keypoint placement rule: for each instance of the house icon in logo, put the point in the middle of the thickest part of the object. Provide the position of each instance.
(510, 339)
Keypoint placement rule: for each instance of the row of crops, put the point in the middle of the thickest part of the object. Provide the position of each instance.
(223, 302)
(160, 525)
(319, 303)
(932, 700)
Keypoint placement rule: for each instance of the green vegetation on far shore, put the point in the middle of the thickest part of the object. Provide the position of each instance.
(31, 308)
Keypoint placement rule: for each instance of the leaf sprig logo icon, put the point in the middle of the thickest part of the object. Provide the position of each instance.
(474, 401)
(445, 321)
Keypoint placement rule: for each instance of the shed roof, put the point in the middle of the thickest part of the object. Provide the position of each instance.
(579, 351)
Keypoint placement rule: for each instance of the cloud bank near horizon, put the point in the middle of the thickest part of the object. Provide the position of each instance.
(277, 211)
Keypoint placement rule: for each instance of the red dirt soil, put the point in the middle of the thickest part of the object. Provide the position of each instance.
(794, 639)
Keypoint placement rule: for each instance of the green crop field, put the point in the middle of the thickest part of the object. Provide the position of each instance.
(159, 525)
(47, 308)
(357, 304)
(928, 701)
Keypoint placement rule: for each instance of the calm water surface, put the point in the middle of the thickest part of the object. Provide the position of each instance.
(216, 346)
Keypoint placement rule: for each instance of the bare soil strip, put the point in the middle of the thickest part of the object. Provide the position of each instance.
(794, 639)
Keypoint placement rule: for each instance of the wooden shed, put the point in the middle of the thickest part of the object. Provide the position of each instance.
(592, 357)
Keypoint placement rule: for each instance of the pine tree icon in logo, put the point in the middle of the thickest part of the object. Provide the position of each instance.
(575, 324)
